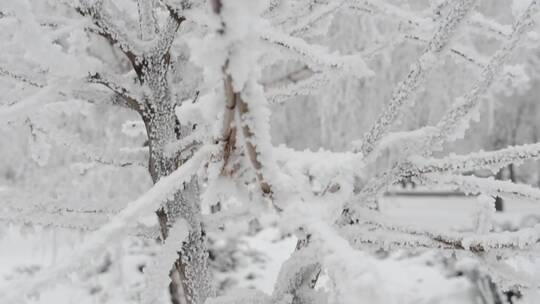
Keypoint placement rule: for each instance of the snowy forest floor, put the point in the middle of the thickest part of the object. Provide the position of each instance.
(417, 278)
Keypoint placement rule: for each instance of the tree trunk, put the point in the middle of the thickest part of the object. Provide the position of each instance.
(190, 283)
(189, 275)
(512, 173)
(499, 204)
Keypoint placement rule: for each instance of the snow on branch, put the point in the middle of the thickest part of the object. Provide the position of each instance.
(147, 19)
(317, 57)
(417, 73)
(157, 272)
(376, 7)
(298, 275)
(133, 101)
(456, 120)
(86, 220)
(105, 27)
(243, 93)
(488, 26)
(488, 186)
(477, 21)
(168, 33)
(474, 242)
(20, 78)
(493, 160)
(77, 147)
(96, 241)
(456, 51)
(303, 87)
(305, 81)
(319, 13)
(360, 237)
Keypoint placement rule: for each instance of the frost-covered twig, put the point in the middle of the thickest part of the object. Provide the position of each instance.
(244, 95)
(301, 88)
(166, 37)
(74, 144)
(476, 22)
(19, 77)
(456, 120)
(147, 19)
(388, 10)
(293, 76)
(493, 160)
(133, 102)
(488, 186)
(319, 13)
(105, 27)
(454, 123)
(473, 242)
(416, 75)
(298, 274)
(462, 53)
(157, 272)
(96, 241)
(83, 221)
(317, 58)
(228, 133)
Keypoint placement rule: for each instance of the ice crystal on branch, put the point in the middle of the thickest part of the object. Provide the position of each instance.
(205, 82)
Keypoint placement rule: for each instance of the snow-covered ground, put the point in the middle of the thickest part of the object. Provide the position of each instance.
(417, 279)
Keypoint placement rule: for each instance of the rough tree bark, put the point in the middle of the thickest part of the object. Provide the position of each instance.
(189, 276)
(190, 283)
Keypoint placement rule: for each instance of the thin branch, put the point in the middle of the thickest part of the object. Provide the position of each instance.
(454, 51)
(318, 58)
(416, 75)
(294, 76)
(456, 119)
(97, 240)
(303, 87)
(132, 102)
(147, 19)
(105, 27)
(20, 78)
(228, 135)
(243, 110)
(475, 22)
(488, 186)
(475, 243)
(493, 160)
(168, 34)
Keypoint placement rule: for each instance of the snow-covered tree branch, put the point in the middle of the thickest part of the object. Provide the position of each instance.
(230, 111)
